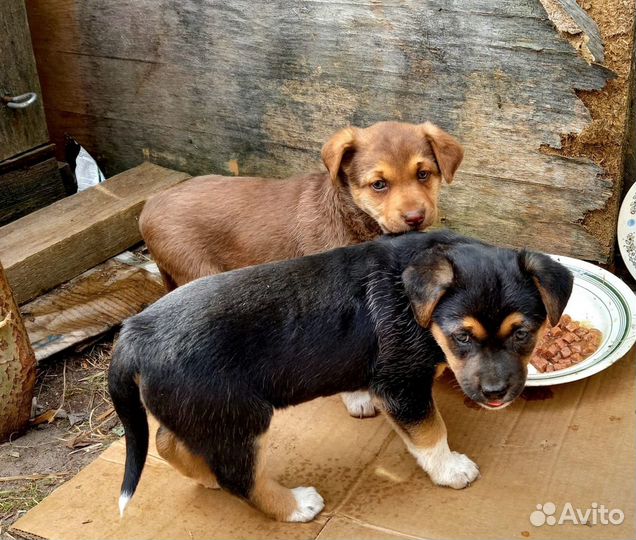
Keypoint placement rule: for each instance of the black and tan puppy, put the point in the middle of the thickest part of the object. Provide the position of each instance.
(214, 359)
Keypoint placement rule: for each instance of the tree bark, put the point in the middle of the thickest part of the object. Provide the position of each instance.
(17, 365)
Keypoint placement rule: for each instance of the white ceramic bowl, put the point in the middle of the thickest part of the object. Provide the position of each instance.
(603, 301)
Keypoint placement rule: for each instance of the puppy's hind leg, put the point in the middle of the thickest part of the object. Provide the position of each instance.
(241, 470)
(359, 404)
(181, 458)
(298, 504)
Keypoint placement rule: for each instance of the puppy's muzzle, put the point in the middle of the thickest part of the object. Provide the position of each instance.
(495, 391)
(414, 219)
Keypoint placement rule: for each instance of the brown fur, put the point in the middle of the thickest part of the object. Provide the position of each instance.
(268, 495)
(440, 277)
(440, 369)
(428, 433)
(212, 224)
(454, 363)
(550, 302)
(423, 435)
(175, 452)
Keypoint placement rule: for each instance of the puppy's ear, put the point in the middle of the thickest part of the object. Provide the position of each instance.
(426, 281)
(334, 151)
(553, 280)
(448, 152)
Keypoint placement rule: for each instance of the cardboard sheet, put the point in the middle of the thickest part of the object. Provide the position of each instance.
(570, 445)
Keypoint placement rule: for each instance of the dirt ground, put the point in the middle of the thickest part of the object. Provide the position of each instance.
(73, 422)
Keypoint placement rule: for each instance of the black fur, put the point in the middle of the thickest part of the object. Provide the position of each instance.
(217, 356)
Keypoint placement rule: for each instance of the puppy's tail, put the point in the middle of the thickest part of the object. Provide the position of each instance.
(124, 392)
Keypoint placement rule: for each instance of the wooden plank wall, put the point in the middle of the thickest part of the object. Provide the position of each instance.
(20, 130)
(198, 85)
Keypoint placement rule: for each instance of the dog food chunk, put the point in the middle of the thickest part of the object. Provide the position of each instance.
(570, 337)
(564, 345)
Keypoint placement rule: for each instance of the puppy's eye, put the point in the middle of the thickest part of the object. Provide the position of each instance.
(521, 334)
(423, 175)
(380, 185)
(462, 338)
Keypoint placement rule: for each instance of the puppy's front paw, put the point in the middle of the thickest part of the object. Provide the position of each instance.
(359, 404)
(455, 470)
(309, 504)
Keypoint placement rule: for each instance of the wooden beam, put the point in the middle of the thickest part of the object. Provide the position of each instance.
(57, 243)
(17, 365)
(29, 182)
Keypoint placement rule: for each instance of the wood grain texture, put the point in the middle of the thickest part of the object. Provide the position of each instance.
(574, 24)
(17, 365)
(201, 85)
(20, 129)
(88, 305)
(54, 244)
(29, 183)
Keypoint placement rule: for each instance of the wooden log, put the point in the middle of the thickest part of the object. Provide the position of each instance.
(17, 365)
(56, 243)
(203, 85)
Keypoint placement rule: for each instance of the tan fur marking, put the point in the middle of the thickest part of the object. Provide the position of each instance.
(453, 362)
(175, 452)
(268, 495)
(437, 284)
(510, 323)
(440, 369)
(475, 328)
(424, 435)
(429, 432)
(424, 312)
(549, 301)
(542, 330)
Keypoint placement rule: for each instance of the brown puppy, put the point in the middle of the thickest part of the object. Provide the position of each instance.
(384, 178)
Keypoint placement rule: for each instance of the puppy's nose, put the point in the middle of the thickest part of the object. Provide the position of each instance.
(413, 219)
(494, 391)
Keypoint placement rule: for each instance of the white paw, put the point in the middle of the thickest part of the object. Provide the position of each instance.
(359, 404)
(456, 471)
(310, 504)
